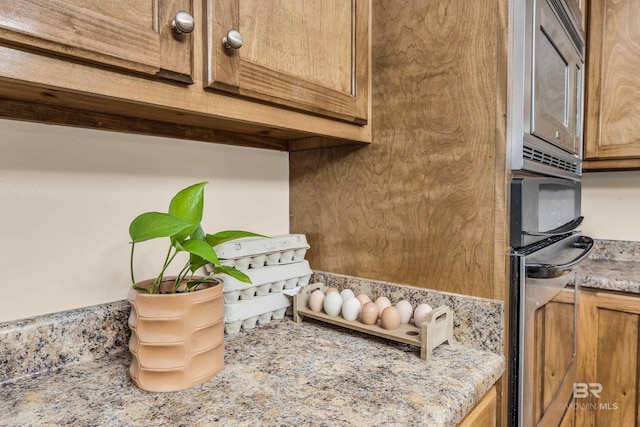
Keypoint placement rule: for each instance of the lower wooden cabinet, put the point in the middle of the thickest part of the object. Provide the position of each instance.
(484, 413)
(569, 419)
(608, 394)
(554, 349)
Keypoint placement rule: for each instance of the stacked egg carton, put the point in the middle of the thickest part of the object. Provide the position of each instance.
(272, 264)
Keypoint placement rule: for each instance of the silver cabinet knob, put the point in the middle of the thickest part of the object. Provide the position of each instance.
(233, 40)
(183, 23)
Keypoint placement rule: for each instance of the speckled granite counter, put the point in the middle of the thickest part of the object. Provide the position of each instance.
(613, 265)
(281, 373)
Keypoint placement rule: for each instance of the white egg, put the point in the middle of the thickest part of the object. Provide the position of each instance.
(420, 313)
(351, 309)
(346, 294)
(406, 310)
(332, 304)
(316, 300)
(382, 303)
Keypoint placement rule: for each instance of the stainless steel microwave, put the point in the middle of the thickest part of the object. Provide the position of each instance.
(546, 76)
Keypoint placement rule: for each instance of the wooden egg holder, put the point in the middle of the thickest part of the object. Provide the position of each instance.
(436, 329)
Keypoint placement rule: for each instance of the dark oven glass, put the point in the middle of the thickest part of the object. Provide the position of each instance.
(543, 207)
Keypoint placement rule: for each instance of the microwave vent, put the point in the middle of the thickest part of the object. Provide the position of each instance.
(563, 15)
(540, 157)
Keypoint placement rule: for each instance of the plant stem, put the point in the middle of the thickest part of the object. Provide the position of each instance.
(167, 261)
(181, 277)
(133, 280)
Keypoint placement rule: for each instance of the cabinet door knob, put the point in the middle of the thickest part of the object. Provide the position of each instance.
(183, 23)
(233, 40)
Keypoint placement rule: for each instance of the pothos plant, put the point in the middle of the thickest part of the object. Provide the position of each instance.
(181, 224)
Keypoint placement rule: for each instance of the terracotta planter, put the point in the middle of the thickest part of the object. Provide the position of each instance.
(177, 340)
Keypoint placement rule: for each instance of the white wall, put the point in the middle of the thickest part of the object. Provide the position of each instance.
(611, 205)
(67, 197)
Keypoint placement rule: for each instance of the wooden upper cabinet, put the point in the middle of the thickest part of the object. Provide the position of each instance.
(305, 55)
(130, 35)
(612, 121)
(300, 81)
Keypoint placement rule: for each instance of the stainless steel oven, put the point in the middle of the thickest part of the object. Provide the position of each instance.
(543, 207)
(546, 89)
(544, 298)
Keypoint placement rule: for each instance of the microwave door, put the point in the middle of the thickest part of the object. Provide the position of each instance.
(556, 83)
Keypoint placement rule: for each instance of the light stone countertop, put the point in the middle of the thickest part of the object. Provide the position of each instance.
(613, 265)
(71, 368)
(281, 373)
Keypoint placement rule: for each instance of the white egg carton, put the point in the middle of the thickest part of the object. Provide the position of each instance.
(265, 280)
(245, 314)
(256, 252)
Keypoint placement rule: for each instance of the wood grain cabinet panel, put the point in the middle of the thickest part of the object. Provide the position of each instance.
(612, 140)
(554, 326)
(300, 81)
(557, 349)
(484, 413)
(311, 56)
(569, 419)
(609, 341)
(132, 35)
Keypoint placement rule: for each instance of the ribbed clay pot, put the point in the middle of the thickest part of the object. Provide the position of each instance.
(177, 340)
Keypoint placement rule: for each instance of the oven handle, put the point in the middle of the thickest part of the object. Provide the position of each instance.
(563, 229)
(548, 271)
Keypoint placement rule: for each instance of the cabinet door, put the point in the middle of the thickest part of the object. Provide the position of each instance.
(484, 413)
(307, 55)
(554, 350)
(609, 354)
(131, 35)
(569, 419)
(613, 88)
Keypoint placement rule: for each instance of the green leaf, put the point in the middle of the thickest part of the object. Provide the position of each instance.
(198, 233)
(231, 271)
(195, 282)
(151, 225)
(200, 248)
(225, 236)
(196, 262)
(188, 205)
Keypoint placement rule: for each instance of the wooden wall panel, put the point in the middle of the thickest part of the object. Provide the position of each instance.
(424, 204)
